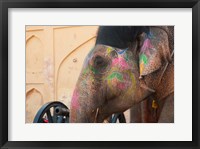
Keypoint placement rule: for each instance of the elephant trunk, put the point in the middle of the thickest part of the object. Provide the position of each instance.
(77, 111)
(84, 108)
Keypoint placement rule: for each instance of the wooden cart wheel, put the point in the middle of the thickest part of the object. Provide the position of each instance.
(118, 116)
(52, 112)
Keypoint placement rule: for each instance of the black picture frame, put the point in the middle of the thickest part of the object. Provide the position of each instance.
(4, 86)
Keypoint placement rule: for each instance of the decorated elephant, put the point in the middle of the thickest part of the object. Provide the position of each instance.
(129, 67)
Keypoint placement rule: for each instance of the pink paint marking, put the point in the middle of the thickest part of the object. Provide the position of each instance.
(75, 104)
(116, 83)
(121, 86)
(147, 45)
(120, 61)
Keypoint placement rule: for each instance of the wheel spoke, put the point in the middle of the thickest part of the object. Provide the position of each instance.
(54, 115)
(50, 119)
(118, 116)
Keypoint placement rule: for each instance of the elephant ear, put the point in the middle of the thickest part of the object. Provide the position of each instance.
(154, 50)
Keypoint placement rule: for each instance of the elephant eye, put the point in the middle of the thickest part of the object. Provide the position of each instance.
(99, 61)
(99, 64)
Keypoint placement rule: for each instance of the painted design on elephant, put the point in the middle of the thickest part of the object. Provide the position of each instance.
(90, 68)
(150, 35)
(127, 56)
(120, 62)
(121, 51)
(118, 51)
(147, 45)
(94, 71)
(143, 61)
(109, 50)
(131, 84)
(74, 101)
(86, 70)
(115, 81)
(146, 50)
(122, 81)
(116, 75)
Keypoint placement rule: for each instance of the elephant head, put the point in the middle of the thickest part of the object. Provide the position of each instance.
(122, 69)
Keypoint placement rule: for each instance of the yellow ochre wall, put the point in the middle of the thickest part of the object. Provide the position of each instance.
(54, 58)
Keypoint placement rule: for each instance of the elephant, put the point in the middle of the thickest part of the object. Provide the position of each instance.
(129, 67)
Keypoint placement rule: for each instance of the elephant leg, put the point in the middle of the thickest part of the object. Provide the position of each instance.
(145, 111)
(141, 112)
(135, 114)
(167, 112)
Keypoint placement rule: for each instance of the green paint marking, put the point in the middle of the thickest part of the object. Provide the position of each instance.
(115, 75)
(90, 68)
(85, 71)
(119, 76)
(126, 57)
(144, 58)
(93, 70)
